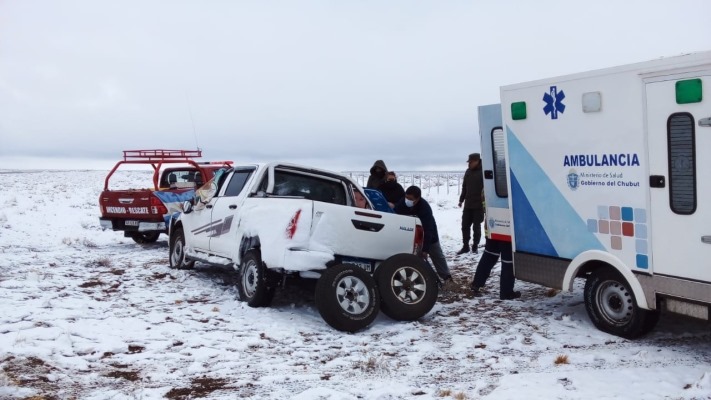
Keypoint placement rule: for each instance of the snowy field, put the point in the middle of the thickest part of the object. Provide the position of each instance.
(88, 314)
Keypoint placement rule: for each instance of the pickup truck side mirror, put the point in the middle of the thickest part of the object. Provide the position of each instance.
(187, 206)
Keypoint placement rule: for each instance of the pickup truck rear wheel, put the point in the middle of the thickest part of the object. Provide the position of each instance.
(177, 251)
(346, 297)
(408, 287)
(253, 282)
(145, 237)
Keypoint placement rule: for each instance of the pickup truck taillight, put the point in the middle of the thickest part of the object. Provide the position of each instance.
(419, 240)
(157, 206)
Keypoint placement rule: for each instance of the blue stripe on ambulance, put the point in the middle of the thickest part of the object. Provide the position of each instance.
(563, 233)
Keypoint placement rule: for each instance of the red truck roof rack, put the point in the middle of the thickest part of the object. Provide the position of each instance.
(156, 158)
(161, 155)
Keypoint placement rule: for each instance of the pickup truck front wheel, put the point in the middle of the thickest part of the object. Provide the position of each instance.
(177, 251)
(252, 281)
(346, 297)
(145, 237)
(408, 287)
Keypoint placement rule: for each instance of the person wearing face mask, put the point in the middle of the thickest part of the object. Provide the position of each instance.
(392, 190)
(377, 175)
(414, 204)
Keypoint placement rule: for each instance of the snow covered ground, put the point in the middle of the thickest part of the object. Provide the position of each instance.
(88, 314)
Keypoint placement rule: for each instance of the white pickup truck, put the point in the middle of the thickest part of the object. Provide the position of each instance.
(274, 220)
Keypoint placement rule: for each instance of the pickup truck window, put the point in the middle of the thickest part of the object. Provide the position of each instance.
(236, 184)
(310, 187)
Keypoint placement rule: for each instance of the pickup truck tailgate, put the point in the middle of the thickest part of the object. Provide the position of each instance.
(358, 232)
(126, 204)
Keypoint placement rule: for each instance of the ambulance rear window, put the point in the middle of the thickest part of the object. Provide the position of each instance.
(499, 157)
(682, 163)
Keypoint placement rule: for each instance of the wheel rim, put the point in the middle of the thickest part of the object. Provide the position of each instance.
(178, 255)
(249, 278)
(615, 303)
(408, 285)
(352, 295)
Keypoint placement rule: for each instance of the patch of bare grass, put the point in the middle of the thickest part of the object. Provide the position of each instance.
(104, 262)
(561, 359)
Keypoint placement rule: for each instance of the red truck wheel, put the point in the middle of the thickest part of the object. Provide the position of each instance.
(145, 237)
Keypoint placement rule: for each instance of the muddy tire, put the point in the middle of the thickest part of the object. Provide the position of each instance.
(253, 283)
(612, 307)
(408, 287)
(347, 298)
(177, 251)
(145, 237)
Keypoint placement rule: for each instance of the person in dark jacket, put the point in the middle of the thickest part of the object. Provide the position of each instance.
(471, 197)
(377, 175)
(492, 251)
(414, 204)
(392, 190)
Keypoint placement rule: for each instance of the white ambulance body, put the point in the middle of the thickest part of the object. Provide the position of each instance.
(607, 180)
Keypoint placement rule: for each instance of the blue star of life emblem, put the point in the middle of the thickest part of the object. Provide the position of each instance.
(554, 102)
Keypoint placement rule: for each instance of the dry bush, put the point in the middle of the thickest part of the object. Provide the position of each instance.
(551, 292)
(373, 364)
(561, 359)
(67, 241)
(104, 262)
(460, 396)
(444, 393)
(88, 243)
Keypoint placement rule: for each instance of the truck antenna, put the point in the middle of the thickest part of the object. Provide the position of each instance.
(190, 112)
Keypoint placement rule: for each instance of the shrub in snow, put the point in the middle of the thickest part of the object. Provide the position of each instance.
(561, 359)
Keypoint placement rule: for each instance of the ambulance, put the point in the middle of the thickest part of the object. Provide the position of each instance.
(602, 175)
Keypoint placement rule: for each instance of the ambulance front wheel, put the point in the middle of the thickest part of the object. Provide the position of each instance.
(612, 306)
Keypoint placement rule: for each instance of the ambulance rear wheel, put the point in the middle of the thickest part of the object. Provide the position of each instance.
(145, 237)
(612, 306)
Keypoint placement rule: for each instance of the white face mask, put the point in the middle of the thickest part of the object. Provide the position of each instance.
(409, 202)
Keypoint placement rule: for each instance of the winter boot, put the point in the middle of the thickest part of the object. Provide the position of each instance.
(464, 250)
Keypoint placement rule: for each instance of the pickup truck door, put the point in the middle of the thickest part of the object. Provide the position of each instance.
(195, 225)
(225, 234)
(361, 232)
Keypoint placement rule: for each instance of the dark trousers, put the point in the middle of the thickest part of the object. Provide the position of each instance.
(472, 216)
(492, 251)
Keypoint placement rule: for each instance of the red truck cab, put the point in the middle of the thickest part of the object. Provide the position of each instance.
(142, 214)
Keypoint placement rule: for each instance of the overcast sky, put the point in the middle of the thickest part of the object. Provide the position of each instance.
(334, 84)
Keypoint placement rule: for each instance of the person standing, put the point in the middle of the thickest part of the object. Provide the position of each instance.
(414, 204)
(392, 190)
(492, 251)
(377, 175)
(473, 211)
